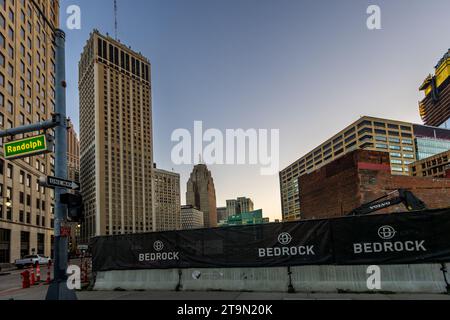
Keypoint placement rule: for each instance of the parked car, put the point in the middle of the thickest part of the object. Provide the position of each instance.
(32, 260)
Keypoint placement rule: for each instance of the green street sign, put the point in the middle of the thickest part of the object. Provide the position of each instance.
(27, 147)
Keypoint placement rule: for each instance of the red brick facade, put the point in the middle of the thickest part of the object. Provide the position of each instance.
(360, 177)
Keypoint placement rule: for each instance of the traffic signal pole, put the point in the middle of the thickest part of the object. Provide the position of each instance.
(58, 289)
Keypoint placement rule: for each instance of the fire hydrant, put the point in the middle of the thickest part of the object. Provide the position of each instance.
(25, 279)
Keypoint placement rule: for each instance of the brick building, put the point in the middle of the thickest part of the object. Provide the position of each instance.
(360, 177)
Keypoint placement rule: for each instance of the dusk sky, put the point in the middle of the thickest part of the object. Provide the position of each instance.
(307, 68)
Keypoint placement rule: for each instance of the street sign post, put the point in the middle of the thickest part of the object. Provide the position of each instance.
(28, 147)
(53, 182)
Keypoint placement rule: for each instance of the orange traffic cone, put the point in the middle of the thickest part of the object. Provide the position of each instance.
(32, 278)
(38, 273)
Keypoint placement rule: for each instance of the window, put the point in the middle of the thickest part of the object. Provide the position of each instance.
(381, 146)
(9, 171)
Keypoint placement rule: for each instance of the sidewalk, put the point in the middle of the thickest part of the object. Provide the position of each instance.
(39, 293)
(6, 267)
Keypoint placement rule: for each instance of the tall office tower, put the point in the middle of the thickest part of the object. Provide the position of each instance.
(232, 207)
(202, 194)
(245, 204)
(167, 205)
(27, 95)
(435, 107)
(73, 153)
(73, 173)
(405, 142)
(239, 205)
(116, 139)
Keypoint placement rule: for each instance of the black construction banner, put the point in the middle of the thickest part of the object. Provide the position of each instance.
(422, 237)
(392, 239)
(265, 245)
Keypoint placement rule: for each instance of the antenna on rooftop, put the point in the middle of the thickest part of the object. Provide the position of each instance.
(115, 19)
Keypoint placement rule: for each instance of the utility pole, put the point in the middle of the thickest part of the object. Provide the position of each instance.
(58, 289)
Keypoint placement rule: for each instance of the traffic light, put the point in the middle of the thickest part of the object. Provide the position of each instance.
(74, 204)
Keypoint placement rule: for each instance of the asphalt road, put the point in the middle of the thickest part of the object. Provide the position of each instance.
(39, 292)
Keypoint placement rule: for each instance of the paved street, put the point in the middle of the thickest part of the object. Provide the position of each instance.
(13, 291)
(11, 288)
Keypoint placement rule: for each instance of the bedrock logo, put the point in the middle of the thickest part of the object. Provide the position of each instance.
(388, 233)
(159, 255)
(285, 239)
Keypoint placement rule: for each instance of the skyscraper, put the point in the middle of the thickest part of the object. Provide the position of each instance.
(435, 107)
(116, 138)
(167, 210)
(73, 153)
(27, 95)
(239, 205)
(202, 194)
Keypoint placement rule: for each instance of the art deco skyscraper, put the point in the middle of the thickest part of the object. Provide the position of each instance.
(116, 139)
(202, 194)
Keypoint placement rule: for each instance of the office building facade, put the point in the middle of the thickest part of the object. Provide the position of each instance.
(239, 205)
(245, 218)
(167, 205)
(222, 214)
(403, 141)
(436, 166)
(201, 194)
(191, 218)
(116, 151)
(73, 153)
(27, 95)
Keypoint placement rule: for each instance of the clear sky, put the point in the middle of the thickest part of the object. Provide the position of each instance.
(307, 68)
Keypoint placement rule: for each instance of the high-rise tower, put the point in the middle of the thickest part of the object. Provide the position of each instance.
(116, 138)
(202, 194)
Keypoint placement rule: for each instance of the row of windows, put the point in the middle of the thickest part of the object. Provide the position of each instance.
(113, 54)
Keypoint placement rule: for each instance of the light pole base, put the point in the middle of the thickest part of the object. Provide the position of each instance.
(59, 291)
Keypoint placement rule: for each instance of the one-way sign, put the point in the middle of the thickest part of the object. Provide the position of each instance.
(54, 182)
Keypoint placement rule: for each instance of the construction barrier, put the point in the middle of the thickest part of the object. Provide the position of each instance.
(420, 278)
(32, 276)
(38, 273)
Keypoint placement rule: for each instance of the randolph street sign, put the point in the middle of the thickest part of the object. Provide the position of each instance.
(27, 147)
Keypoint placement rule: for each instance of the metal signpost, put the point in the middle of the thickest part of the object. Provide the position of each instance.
(58, 289)
(53, 182)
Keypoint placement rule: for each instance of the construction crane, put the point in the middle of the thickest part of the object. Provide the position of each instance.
(409, 200)
(115, 19)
